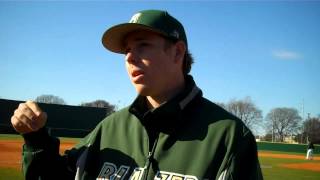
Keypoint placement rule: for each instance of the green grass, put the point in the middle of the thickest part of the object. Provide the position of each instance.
(19, 137)
(270, 166)
(64, 139)
(272, 171)
(282, 152)
(10, 137)
(14, 174)
(285, 147)
(10, 173)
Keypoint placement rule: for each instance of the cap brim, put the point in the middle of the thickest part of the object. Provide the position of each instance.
(113, 38)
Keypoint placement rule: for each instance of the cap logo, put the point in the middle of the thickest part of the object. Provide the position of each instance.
(135, 18)
(175, 34)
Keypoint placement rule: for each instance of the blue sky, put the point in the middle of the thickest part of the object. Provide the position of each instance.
(269, 51)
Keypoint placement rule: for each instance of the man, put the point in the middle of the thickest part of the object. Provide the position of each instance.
(169, 132)
(310, 149)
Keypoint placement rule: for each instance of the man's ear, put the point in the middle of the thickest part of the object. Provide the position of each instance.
(180, 51)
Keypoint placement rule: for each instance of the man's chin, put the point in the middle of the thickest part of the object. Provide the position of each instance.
(142, 90)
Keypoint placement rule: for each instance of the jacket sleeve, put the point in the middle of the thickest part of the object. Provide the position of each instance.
(41, 158)
(245, 163)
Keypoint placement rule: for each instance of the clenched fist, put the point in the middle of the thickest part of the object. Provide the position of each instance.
(28, 117)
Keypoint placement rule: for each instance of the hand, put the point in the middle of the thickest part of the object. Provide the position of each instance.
(28, 117)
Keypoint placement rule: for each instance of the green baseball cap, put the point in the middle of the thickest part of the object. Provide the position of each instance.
(150, 20)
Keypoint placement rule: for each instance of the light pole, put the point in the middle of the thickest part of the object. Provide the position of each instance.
(273, 126)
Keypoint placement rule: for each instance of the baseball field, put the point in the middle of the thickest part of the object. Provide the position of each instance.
(275, 165)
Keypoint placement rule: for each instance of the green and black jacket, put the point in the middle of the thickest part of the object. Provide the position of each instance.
(186, 138)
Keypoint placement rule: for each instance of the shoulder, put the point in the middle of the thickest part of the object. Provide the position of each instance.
(207, 110)
(122, 119)
(120, 113)
(117, 122)
(118, 117)
(217, 119)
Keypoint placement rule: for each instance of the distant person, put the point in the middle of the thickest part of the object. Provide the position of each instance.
(170, 131)
(310, 151)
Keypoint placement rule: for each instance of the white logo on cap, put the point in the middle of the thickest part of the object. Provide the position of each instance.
(175, 34)
(135, 18)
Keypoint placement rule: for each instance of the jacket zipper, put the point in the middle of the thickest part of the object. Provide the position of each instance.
(149, 159)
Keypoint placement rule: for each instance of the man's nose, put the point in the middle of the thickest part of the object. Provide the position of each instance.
(131, 57)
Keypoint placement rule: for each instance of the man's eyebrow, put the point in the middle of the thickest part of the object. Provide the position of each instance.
(137, 39)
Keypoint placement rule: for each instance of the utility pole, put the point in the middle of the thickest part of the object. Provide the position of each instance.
(273, 126)
(301, 138)
(272, 131)
(302, 109)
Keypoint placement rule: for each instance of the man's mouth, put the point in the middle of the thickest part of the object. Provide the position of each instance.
(136, 73)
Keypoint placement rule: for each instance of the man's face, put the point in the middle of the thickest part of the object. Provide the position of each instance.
(152, 68)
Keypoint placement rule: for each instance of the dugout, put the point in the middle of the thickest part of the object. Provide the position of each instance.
(63, 120)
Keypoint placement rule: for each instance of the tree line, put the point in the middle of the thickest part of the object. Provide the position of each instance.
(280, 123)
(51, 99)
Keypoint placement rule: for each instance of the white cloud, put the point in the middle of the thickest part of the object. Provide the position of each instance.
(286, 55)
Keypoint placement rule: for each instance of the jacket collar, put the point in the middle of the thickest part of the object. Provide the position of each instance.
(166, 117)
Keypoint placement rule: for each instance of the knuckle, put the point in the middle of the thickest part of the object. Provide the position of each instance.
(29, 102)
(16, 112)
(25, 120)
(15, 122)
(22, 107)
(19, 115)
(24, 113)
(29, 114)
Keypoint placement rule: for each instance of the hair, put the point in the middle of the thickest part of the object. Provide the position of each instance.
(187, 60)
(187, 63)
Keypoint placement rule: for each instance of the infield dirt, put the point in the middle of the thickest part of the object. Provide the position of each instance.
(11, 150)
(313, 165)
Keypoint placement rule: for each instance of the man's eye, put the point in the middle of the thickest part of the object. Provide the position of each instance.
(126, 50)
(144, 44)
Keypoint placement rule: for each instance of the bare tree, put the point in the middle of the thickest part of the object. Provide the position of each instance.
(101, 104)
(267, 137)
(50, 99)
(246, 110)
(221, 104)
(283, 122)
(311, 129)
